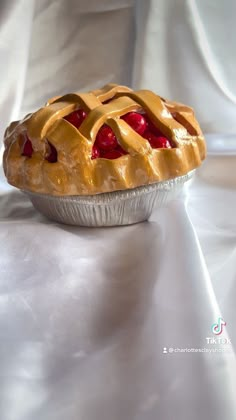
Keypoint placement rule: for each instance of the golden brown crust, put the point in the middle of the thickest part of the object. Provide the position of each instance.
(75, 172)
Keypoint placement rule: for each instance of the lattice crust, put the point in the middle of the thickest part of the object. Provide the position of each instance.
(75, 172)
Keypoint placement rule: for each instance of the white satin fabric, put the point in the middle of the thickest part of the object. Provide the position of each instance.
(85, 313)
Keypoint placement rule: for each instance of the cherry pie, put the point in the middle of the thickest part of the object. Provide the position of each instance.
(105, 140)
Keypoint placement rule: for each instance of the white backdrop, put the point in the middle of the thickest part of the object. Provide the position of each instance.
(85, 313)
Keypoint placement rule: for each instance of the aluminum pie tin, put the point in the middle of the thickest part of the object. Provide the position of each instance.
(116, 208)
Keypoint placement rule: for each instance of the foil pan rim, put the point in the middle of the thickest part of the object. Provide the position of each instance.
(103, 198)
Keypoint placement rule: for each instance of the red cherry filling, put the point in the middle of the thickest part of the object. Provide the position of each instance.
(119, 148)
(157, 141)
(106, 144)
(51, 153)
(106, 139)
(95, 152)
(145, 127)
(136, 121)
(76, 117)
(113, 154)
(151, 127)
(27, 149)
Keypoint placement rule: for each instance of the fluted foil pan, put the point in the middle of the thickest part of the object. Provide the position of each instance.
(109, 209)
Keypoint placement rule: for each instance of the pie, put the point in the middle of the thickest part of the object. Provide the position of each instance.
(105, 140)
